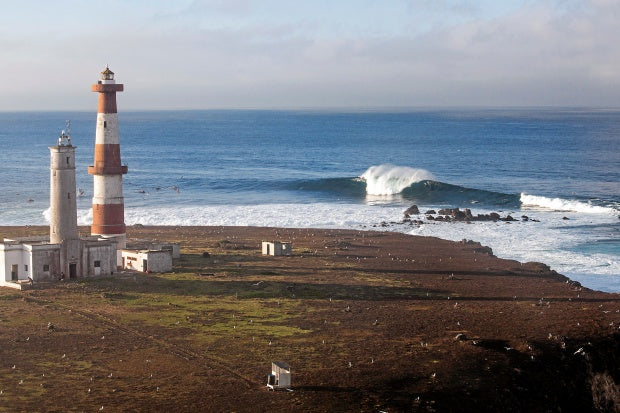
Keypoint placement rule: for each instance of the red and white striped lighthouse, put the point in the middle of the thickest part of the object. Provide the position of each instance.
(107, 171)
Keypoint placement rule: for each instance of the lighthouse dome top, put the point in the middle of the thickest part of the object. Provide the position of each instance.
(107, 74)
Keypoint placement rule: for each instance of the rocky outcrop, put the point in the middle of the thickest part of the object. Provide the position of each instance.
(458, 215)
(412, 210)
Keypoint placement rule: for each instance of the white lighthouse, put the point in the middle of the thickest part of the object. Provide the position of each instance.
(63, 206)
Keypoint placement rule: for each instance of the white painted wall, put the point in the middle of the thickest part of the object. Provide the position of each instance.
(157, 261)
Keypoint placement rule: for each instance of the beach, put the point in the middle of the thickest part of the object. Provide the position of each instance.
(367, 321)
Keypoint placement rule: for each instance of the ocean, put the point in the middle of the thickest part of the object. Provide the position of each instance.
(352, 169)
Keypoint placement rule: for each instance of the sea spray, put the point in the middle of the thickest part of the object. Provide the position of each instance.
(390, 179)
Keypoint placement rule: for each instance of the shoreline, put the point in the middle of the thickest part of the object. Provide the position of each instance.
(138, 229)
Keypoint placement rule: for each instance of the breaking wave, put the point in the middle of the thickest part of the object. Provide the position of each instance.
(559, 204)
(416, 185)
(391, 180)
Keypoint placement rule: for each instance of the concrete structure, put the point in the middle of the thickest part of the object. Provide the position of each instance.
(147, 260)
(277, 248)
(107, 171)
(280, 377)
(63, 205)
(63, 254)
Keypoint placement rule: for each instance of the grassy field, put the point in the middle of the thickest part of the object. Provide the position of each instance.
(366, 320)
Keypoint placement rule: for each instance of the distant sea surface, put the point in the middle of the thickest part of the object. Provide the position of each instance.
(352, 170)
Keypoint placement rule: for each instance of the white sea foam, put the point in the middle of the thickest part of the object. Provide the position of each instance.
(559, 204)
(84, 217)
(319, 215)
(46, 215)
(390, 179)
(553, 241)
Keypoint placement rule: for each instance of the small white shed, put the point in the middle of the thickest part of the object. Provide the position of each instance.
(147, 260)
(280, 377)
(277, 248)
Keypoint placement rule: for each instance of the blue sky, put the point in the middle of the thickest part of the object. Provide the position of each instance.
(304, 54)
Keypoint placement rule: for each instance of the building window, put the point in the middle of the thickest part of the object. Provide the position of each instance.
(46, 268)
(105, 123)
(26, 267)
(68, 195)
(67, 160)
(97, 264)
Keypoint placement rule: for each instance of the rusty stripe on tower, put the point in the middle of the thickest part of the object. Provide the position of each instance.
(107, 171)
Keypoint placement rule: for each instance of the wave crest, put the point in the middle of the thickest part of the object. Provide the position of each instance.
(390, 179)
(559, 204)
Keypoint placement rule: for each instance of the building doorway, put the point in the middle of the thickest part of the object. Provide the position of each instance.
(14, 272)
(72, 270)
(144, 266)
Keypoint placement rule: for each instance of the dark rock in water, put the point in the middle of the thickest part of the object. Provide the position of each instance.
(494, 216)
(565, 218)
(412, 210)
(508, 218)
(525, 217)
(430, 211)
(205, 254)
(430, 217)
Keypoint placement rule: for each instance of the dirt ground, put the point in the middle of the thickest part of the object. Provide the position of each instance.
(368, 321)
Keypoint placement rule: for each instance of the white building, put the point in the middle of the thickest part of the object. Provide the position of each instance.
(280, 377)
(157, 260)
(277, 248)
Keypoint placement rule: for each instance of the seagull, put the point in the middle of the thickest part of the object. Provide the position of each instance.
(13, 367)
(64, 355)
(257, 284)
(433, 375)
